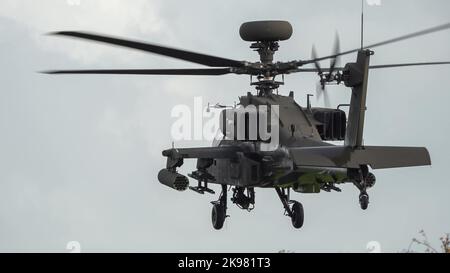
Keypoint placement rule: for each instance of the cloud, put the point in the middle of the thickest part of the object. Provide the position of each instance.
(80, 154)
(139, 19)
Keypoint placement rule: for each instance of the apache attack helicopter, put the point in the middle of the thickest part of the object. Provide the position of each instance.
(303, 160)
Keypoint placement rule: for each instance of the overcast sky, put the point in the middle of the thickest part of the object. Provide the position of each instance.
(79, 155)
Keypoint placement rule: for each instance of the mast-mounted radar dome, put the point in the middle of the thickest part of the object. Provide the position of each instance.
(265, 31)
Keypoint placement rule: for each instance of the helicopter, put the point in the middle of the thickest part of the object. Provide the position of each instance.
(303, 159)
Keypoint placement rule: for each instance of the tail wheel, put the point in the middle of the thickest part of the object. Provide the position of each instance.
(364, 200)
(297, 214)
(218, 216)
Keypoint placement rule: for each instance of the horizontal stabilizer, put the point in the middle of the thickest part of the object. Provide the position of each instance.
(377, 157)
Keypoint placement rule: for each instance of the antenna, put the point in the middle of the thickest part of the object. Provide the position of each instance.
(362, 24)
(308, 102)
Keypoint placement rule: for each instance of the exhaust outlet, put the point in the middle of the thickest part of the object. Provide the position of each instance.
(173, 180)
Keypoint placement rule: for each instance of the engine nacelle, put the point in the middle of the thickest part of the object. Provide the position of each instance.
(332, 123)
(173, 180)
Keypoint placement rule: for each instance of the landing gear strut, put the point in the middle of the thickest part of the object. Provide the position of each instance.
(295, 211)
(219, 209)
(363, 196)
(365, 180)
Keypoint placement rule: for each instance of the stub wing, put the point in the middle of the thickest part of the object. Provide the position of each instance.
(377, 157)
(204, 152)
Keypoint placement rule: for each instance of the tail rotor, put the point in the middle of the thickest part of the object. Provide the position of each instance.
(328, 75)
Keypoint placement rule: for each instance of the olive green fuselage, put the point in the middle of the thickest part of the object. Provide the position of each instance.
(297, 128)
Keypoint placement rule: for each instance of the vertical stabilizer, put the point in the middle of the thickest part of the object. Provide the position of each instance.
(356, 76)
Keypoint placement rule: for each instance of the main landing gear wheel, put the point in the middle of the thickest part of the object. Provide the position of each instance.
(364, 200)
(219, 209)
(218, 216)
(295, 211)
(297, 216)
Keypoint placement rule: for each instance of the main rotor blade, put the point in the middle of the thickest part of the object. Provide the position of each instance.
(401, 38)
(406, 64)
(370, 67)
(193, 71)
(189, 56)
(315, 69)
